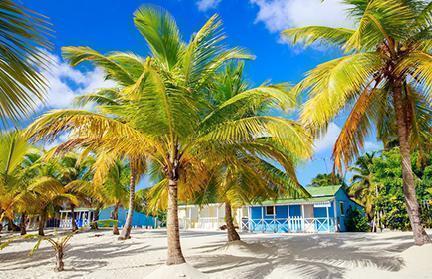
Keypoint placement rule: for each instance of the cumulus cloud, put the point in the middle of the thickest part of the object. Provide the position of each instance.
(278, 15)
(205, 5)
(65, 83)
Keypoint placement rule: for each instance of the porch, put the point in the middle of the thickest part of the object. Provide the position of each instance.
(83, 217)
(308, 217)
(207, 217)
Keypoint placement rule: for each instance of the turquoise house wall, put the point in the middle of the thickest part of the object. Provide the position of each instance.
(341, 196)
(139, 219)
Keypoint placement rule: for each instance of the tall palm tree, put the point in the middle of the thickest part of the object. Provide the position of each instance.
(165, 114)
(23, 36)
(386, 71)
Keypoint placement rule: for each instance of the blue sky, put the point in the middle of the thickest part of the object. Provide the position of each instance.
(107, 25)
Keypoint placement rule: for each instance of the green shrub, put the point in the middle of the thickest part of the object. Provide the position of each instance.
(356, 221)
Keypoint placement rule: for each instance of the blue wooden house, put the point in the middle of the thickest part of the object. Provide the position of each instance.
(84, 216)
(324, 211)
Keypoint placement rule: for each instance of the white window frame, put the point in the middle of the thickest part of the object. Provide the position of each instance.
(274, 210)
(342, 208)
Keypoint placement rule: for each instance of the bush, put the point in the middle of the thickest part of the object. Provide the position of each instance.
(356, 221)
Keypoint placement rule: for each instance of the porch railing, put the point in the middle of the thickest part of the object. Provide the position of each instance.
(292, 224)
(67, 223)
(207, 223)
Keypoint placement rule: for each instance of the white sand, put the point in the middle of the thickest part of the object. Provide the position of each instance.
(271, 256)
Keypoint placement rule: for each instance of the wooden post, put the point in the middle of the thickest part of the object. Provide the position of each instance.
(217, 216)
(303, 217)
(288, 219)
(328, 220)
(335, 215)
(249, 218)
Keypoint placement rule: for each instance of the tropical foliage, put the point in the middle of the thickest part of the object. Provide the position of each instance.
(377, 185)
(163, 113)
(24, 36)
(383, 80)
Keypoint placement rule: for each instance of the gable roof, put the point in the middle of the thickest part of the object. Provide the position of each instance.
(318, 194)
(323, 191)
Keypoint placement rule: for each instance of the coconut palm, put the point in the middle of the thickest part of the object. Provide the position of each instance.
(111, 183)
(386, 71)
(165, 116)
(363, 187)
(13, 150)
(239, 178)
(24, 35)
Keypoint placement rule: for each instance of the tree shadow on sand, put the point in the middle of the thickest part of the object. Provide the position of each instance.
(309, 256)
(82, 257)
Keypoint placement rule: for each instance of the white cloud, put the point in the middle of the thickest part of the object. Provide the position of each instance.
(328, 139)
(278, 15)
(65, 82)
(205, 5)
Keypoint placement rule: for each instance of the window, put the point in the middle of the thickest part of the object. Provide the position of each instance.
(270, 210)
(341, 208)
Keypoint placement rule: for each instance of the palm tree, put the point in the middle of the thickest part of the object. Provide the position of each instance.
(165, 115)
(386, 71)
(74, 173)
(363, 187)
(24, 36)
(239, 178)
(111, 181)
(13, 150)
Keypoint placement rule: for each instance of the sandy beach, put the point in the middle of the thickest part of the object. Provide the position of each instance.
(345, 255)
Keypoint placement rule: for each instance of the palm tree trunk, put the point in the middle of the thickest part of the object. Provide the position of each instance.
(175, 255)
(42, 219)
(115, 217)
(232, 233)
(59, 259)
(74, 225)
(420, 236)
(125, 234)
(23, 223)
(94, 225)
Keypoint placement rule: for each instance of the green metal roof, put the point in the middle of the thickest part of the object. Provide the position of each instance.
(321, 191)
(319, 194)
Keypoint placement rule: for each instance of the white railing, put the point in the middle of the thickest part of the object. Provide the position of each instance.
(291, 224)
(206, 223)
(210, 223)
(67, 223)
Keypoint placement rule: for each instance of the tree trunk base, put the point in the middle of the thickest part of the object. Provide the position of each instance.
(422, 239)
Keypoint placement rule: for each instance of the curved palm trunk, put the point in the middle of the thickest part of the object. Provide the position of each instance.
(232, 233)
(42, 220)
(175, 255)
(420, 236)
(23, 223)
(74, 225)
(115, 217)
(125, 234)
